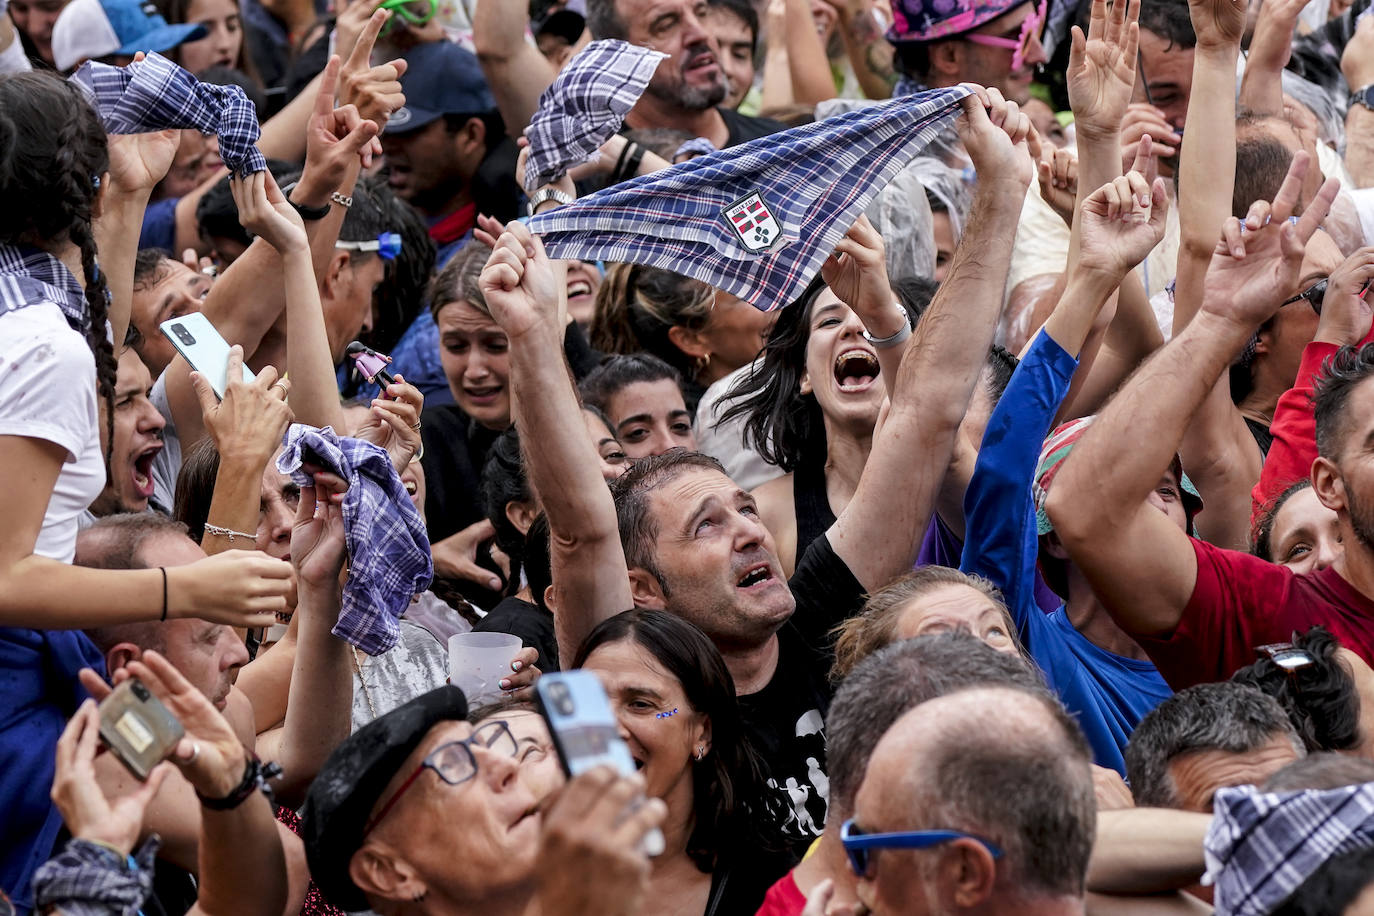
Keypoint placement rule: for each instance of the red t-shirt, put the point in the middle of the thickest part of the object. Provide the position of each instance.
(784, 898)
(1241, 602)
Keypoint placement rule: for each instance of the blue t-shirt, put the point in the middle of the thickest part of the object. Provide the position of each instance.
(40, 688)
(160, 226)
(1107, 693)
(415, 358)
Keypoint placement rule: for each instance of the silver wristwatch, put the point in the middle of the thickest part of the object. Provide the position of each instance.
(548, 192)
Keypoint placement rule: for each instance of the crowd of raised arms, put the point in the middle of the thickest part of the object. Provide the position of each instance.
(686, 457)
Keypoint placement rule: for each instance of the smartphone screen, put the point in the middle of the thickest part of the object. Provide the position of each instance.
(202, 346)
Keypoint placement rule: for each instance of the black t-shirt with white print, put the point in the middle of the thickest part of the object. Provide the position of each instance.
(786, 719)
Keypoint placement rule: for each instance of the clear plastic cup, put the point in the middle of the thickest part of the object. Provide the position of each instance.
(478, 661)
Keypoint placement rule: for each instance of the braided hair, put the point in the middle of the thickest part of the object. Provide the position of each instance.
(52, 156)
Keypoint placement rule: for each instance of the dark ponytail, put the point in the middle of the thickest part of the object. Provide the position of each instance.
(53, 156)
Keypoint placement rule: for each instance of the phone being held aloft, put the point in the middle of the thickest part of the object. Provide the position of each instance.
(137, 728)
(202, 346)
(585, 731)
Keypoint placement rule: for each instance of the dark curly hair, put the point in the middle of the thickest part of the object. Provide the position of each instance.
(1321, 699)
(53, 155)
(732, 813)
(504, 481)
(1339, 377)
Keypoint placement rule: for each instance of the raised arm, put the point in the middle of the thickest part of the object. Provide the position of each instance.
(870, 54)
(137, 163)
(1147, 851)
(516, 72)
(319, 707)
(1357, 64)
(1261, 88)
(590, 582)
(877, 535)
(812, 81)
(1099, 503)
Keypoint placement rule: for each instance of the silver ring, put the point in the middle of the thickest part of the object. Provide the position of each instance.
(195, 752)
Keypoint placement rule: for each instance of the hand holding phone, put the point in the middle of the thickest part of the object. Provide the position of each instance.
(137, 728)
(585, 731)
(202, 346)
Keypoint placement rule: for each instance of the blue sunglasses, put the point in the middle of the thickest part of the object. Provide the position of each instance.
(857, 843)
(388, 245)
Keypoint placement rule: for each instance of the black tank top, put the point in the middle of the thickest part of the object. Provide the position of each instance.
(809, 501)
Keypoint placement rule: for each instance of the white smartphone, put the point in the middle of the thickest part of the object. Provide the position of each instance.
(202, 346)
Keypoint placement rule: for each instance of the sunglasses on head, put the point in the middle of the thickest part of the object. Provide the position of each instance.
(857, 843)
(1033, 26)
(388, 245)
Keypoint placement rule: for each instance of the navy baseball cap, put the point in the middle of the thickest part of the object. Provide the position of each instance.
(91, 29)
(441, 78)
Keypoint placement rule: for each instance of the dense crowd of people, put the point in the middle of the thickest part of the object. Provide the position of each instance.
(959, 482)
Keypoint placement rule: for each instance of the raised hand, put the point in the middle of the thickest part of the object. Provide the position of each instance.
(210, 756)
(88, 814)
(857, 272)
(139, 161)
(239, 588)
(455, 557)
(521, 284)
(1101, 70)
(1345, 313)
(994, 132)
(374, 91)
(1123, 220)
(1255, 262)
(1057, 170)
(317, 536)
(336, 137)
(1143, 120)
(1218, 23)
(1357, 60)
(352, 21)
(393, 423)
(248, 424)
(597, 826)
(264, 211)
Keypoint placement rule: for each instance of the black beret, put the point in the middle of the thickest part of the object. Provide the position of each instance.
(351, 782)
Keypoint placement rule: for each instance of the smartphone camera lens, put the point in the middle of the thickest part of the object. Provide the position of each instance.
(562, 699)
(140, 691)
(183, 335)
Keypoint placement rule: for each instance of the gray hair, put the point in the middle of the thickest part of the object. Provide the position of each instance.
(1322, 770)
(1020, 780)
(1227, 717)
(604, 21)
(887, 683)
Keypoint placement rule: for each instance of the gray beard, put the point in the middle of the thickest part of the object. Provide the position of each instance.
(690, 98)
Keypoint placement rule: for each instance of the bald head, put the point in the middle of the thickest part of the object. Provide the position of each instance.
(1004, 765)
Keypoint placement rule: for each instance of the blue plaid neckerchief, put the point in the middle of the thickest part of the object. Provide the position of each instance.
(155, 94)
(87, 879)
(585, 106)
(756, 220)
(1261, 847)
(388, 550)
(29, 275)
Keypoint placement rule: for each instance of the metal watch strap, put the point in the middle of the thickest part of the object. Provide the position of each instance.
(549, 193)
(1363, 96)
(884, 343)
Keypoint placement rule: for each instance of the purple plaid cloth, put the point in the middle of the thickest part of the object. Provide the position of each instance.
(1262, 847)
(86, 879)
(695, 146)
(155, 94)
(388, 550)
(585, 106)
(759, 219)
(29, 275)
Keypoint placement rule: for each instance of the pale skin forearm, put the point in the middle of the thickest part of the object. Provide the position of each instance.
(319, 708)
(314, 390)
(870, 54)
(807, 63)
(515, 70)
(116, 238)
(1146, 851)
(589, 577)
(1359, 145)
(1207, 173)
(236, 502)
(241, 849)
(934, 382)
